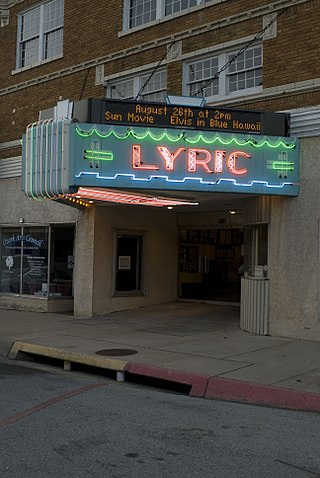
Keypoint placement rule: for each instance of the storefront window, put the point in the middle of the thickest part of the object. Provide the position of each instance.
(10, 273)
(61, 261)
(29, 252)
(35, 260)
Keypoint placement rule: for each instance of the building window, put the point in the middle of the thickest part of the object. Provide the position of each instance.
(242, 77)
(37, 260)
(141, 12)
(128, 264)
(40, 34)
(155, 87)
(175, 6)
(201, 72)
(246, 71)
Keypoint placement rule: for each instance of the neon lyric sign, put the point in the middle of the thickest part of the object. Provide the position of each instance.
(196, 158)
(169, 159)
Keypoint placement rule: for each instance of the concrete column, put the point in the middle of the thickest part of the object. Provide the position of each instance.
(84, 261)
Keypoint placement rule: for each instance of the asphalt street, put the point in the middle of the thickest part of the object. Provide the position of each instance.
(57, 424)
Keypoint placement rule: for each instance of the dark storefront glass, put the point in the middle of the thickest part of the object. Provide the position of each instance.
(35, 261)
(61, 269)
(10, 273)
(25, 253)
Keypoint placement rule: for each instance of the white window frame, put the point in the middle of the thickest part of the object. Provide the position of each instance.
(160, 12)
(41, 35)
(223, 57)
(138, 80)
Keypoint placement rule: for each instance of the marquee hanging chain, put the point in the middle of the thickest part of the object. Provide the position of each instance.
(242, 50)
(224, 67)
(153, 71)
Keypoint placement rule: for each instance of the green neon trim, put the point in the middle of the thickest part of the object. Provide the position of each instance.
(86, 134)
(32, 192)
(98, 158)
(280, 143)
(100, 155)
(283, 166)
(212, 141)
(241, 143)
(31, 151)
(254, 143)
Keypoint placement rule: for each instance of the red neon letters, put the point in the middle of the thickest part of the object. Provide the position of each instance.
(195, 158)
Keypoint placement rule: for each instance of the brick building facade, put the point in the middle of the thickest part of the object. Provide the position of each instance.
(61, 50)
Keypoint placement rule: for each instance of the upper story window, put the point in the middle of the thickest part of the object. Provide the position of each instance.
(242, 77)
(128, 88)
(246, 71)
(40, 34)
(140, 12)
(175, 6)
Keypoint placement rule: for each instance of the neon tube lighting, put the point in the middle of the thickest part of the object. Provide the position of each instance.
(183, 180)
(200, 137)
(128, 198)
(98, 155)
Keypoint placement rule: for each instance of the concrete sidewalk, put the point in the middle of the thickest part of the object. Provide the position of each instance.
(199, 345)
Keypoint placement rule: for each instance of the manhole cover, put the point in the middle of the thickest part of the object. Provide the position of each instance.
(116, 352)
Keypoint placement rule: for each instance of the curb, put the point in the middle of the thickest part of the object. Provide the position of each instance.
(5, 346)
(201, 386)
(197, 382)
(257, 394)
(67, 357)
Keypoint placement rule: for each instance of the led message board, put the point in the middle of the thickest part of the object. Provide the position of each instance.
(107, 111)
(169, 159)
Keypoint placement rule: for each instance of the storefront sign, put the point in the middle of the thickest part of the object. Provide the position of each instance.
(106, 111)
(15, 240)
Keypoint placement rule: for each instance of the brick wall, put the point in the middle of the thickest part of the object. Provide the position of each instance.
(91, 32)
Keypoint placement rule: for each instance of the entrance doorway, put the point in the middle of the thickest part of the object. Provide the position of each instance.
(128, 264)
(209, 261)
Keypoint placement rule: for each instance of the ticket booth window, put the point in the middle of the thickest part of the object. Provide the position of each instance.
(256, 250)
(128, 264)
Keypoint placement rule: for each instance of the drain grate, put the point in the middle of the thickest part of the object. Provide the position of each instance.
(116, 352)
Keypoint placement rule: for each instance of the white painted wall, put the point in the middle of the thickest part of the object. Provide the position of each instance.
(15, 204)
(96, 251)
(293, 253)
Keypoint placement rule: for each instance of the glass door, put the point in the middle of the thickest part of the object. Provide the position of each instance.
(128, 264)
(209, 262)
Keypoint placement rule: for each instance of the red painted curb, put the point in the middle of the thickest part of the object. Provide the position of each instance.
(203, 386)
(197, 382)
(235, 390)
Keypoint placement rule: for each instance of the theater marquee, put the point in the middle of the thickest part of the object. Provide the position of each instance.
(169, 159)
(60, 156)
